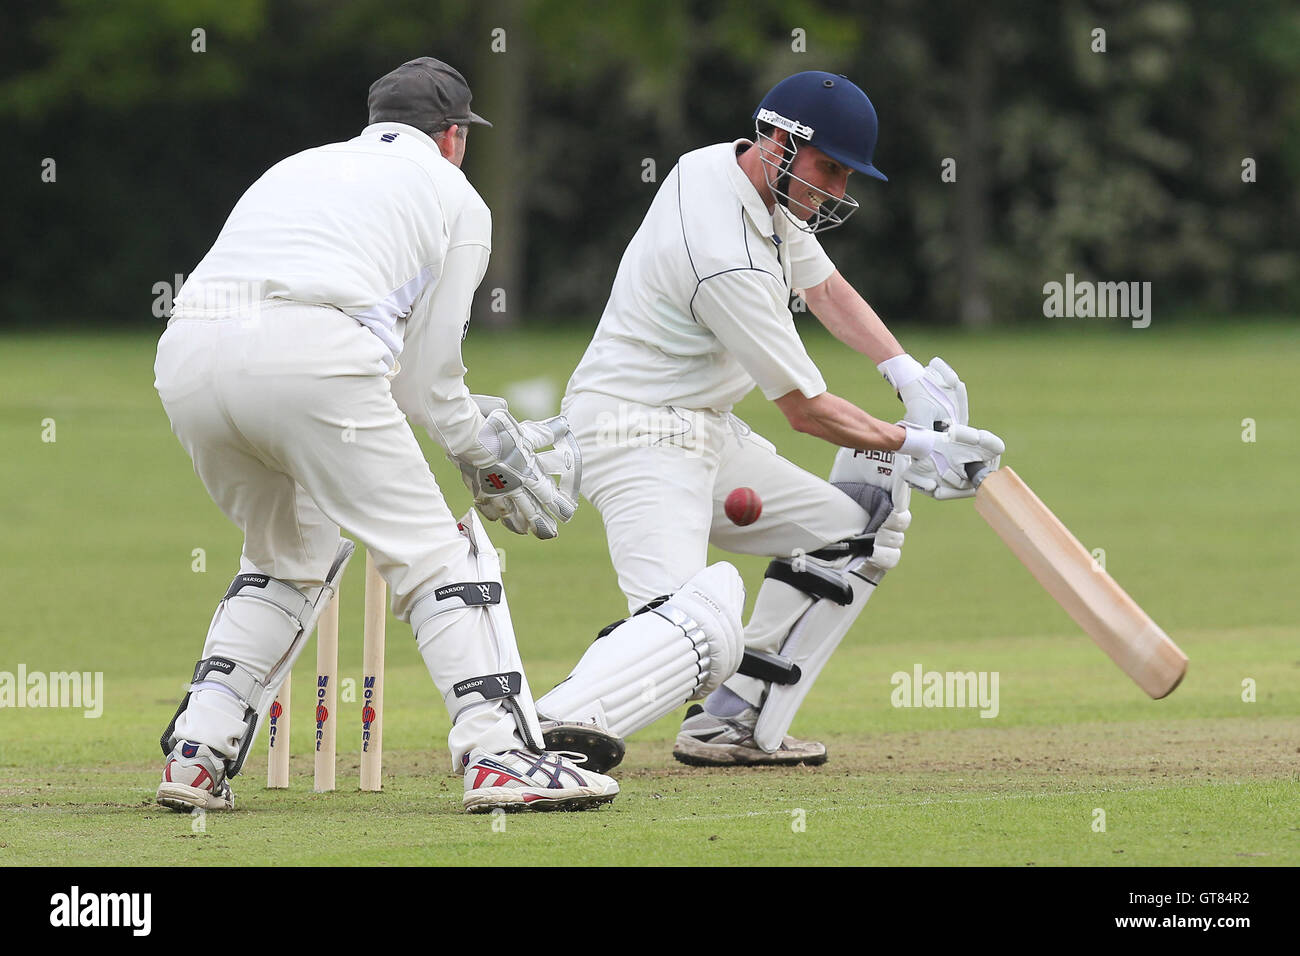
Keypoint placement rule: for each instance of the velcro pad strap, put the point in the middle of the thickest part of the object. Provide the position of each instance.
(492, 686)
(454, 597)
(235, 676)
(812, 579)
(263, 587)
(770, 667)
(648, 606)
(859, 545)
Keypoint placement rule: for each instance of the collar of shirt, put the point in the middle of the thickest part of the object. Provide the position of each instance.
(374, 129)
(749, 197)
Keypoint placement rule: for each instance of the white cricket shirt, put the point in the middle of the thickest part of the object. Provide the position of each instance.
(381, 227)
(699, 311)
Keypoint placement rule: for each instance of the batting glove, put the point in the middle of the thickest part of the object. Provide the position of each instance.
(945, 455)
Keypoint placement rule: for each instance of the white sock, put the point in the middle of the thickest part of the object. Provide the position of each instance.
(724, 702)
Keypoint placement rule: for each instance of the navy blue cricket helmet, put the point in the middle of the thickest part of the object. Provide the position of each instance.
(827, 111)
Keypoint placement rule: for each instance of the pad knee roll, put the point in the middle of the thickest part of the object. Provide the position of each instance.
(654, 662)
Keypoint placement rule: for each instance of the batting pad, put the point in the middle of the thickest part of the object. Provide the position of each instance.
(654, 662)
(810, 644)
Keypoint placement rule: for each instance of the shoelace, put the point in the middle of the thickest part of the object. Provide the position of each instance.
(571, 755)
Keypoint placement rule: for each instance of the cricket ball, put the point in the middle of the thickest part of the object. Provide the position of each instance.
(744, 506)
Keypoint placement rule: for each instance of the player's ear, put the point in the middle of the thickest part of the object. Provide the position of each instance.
(446, 140)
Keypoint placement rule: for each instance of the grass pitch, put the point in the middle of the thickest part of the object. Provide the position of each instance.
(1173, 450)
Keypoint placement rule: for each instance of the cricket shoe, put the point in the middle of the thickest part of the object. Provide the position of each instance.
(604, 751)
(194, 778)
(523, 780)
(708, 741)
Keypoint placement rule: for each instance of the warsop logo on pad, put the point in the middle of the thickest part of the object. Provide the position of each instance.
(492, 686)
(471, 592)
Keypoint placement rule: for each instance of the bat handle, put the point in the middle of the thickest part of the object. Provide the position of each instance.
(977, 471)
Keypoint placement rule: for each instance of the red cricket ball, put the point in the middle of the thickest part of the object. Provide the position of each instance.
(743, 506)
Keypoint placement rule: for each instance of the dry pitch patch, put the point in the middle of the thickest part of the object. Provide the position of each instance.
(1179, 752)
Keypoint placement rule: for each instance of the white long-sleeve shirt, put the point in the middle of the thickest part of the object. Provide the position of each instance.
(381, 227)
(699, 311)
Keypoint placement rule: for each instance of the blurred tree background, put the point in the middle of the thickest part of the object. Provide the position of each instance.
(1119, 165)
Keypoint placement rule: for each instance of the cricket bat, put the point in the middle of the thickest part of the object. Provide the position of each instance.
(1080, 585)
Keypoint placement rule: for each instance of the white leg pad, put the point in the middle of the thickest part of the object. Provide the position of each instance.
(654, 662)
(257, 632)
(874, 480)
(810, 644)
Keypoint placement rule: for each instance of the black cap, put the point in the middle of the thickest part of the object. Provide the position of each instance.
(425, 93)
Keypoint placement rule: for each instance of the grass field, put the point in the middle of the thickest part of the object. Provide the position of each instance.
(1135, 438)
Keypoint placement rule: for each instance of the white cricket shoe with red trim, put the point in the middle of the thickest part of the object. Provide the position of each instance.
(522, 780)
(194, 777)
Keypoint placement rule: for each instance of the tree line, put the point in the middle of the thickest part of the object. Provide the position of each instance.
(1113, 142)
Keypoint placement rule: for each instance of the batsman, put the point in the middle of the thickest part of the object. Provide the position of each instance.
(697, 317)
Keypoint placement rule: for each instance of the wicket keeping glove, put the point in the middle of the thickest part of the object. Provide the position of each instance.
(509, 474)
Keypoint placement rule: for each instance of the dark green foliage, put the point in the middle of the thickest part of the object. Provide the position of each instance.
(1123, 165)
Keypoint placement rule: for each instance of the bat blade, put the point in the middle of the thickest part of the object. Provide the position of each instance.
(1082, 587)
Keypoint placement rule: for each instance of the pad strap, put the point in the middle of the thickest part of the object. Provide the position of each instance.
(859, 545)
(770, 667)
(235, 676)
(648, 606)
(454, 597)
(492, 686)
(263, 587)
(812, 579)
(241, 681)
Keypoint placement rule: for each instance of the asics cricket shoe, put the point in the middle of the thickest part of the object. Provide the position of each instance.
(708, 741)
(604, 751)
(523, 780)
(194, 777)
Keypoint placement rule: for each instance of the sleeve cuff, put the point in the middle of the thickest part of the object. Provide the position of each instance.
(901, 370)
(918, 442)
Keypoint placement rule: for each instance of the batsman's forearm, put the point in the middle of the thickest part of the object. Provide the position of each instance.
(849, 318)
(840, 422)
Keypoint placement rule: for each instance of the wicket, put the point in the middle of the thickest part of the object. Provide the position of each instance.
(327, 666)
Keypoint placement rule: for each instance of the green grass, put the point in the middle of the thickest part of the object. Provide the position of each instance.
(1133, 437)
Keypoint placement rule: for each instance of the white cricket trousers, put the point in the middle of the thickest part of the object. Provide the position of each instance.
(660, 477)
(287, 414)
